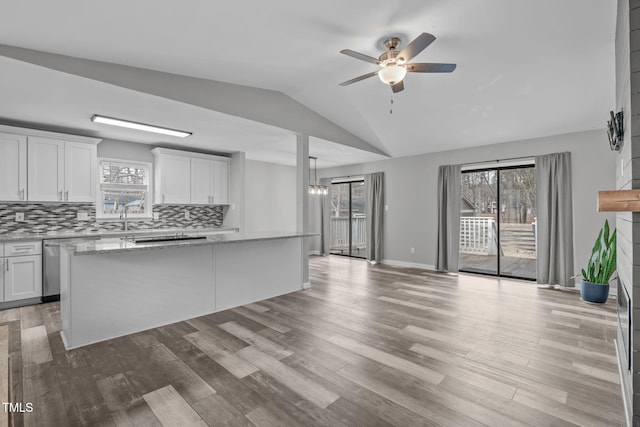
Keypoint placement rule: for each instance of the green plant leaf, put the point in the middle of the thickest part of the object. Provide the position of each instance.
(606, 232)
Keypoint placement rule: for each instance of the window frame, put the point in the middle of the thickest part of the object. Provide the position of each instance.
(148, 214)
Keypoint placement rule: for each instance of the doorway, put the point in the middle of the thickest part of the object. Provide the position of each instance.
(498, 222)
(348, 219)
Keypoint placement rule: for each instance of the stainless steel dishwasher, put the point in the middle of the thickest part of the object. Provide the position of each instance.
(51, 266)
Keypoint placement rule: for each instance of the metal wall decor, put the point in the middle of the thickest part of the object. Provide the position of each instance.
(615, 130)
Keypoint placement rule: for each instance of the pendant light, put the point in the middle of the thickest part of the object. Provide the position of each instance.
(315, 188)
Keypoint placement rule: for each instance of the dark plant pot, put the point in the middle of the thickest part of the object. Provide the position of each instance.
(594, 292)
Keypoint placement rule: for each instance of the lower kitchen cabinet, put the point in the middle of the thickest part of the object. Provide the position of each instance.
(21, 276)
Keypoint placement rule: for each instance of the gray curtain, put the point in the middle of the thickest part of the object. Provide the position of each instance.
(449, 195)
(325, 218)
(554, 220)
(375, 206)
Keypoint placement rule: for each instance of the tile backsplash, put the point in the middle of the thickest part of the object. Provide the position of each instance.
(47, 217)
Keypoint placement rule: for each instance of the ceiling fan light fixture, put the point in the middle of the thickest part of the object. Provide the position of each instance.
(392, 74)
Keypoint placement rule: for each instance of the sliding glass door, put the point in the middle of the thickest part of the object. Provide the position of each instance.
(348, 219)
(498, 222)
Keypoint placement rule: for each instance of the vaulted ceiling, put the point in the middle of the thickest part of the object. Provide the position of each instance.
(525, 69)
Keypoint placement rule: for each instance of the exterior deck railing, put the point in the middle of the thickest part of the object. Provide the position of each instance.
(340, 232)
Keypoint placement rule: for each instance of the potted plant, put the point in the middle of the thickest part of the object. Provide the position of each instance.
(602, 264)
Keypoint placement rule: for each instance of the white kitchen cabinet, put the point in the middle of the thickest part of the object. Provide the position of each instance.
(220, 182)
(182, 177)
(13, 167)
(45, 166)
(61, 170)
(21, 276)
(80, 171)
(201, 177)
(209, 181)
(172, 179)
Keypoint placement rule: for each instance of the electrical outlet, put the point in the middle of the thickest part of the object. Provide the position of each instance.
(413, 250)
(386, 207)
(233, 206)
(83, 216)
(187, 215)
(19, 216)
(156, 215)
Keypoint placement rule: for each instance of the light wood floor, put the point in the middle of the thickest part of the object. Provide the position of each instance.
(367, 346)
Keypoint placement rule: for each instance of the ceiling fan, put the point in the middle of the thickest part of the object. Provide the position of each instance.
(394, 65)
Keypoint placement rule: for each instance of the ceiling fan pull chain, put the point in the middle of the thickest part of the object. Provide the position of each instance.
(391, 106)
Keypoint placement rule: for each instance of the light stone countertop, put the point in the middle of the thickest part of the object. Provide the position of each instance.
(111, 245)
(17, 237)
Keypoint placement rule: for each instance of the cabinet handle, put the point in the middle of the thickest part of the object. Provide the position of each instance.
(22, 194)
(66, 195)
(7, 262)
(60, 195)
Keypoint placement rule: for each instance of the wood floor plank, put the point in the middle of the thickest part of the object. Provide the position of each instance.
(429, 412)
(289, 377)
(171, 409)
(182, 378)
(263, 320)
(235, 365)
(35, 346)
(42, 390)
(388, 359)
(256, 340)
(419, 306)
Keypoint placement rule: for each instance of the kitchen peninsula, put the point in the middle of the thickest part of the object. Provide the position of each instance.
(113, 287)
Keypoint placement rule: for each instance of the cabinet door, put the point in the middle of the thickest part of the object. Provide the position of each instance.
(13, 167)
(175, 179)
(220, 183)
(80, 163)
(201, 181)
(23, 277)
(45, 161)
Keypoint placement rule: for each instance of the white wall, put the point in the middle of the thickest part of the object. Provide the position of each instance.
(270, 197)
(411, 191)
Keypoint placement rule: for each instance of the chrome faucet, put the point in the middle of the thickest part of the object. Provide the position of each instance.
(126, 220)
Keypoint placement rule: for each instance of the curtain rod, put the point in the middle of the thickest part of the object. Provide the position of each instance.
(499, 160)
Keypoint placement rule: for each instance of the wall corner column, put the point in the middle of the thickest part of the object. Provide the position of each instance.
(302, 201)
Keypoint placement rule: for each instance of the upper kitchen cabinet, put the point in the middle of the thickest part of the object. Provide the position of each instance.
(13, 167)
(209, 181)
(46, 166)
(172, 177)
(61, 170)
(183, 177)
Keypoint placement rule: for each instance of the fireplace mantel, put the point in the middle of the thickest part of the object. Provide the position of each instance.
(619, 201)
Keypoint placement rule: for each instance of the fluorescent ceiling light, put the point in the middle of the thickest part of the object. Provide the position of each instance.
(138, 126)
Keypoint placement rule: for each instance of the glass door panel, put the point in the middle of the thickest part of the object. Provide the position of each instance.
(340, 195)
(517, 223)
(478, 228)
(348, 219)
(358, 220)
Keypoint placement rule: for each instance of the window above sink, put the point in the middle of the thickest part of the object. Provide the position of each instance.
(123, 184)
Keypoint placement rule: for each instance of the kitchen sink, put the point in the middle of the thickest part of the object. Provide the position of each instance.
(161, 238)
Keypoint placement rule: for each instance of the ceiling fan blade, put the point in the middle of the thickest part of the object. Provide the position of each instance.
(430, 68)
(360, 56)
(398, 87)
(357, 79)
(416, 46)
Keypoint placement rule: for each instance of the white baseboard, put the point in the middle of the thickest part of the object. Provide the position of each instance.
(314, 253)
(306, 285)
(408, 264)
